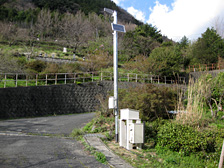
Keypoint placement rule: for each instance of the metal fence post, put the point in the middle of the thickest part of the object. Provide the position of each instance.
(74, 78)
(56, 79)
(46, 80)
(26, 81)
(36, 78)
(65, 78)
(16, 79)
(136, 77)
(5, 81)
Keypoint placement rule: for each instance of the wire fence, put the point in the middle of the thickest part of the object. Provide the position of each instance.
(24, 80)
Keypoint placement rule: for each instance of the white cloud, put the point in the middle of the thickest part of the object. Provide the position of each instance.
(186, 17)
(136, 13)
(117, 1)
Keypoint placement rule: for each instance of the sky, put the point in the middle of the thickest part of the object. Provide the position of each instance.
(178, 18)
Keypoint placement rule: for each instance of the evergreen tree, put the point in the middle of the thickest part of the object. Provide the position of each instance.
(184, 42)
(168, 59)
(209, 47)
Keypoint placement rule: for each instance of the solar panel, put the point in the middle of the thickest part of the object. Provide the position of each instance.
(117, 27)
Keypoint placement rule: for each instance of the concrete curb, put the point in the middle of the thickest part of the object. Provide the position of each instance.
(113, 160)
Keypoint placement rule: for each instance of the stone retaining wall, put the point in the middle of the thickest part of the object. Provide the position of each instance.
(196, 75)
(55, 60)
(56, 99)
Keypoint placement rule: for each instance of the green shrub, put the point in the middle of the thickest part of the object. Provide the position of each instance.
(152, 101)
(110, 135)
(172, 159)
(76, 132)
(51, 68)
(186, 140)
(218, 90)
(100, 124)
(88, 127)
(103, 124)
(70, 68)
(100, 157)
(151, 130)
(21, 61)
(36, 66)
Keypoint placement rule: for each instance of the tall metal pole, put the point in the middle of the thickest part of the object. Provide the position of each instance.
(115, 78)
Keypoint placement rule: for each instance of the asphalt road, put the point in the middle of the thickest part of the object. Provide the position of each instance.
(23, 143)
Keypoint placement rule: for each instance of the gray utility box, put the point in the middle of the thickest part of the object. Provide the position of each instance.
(131, 129)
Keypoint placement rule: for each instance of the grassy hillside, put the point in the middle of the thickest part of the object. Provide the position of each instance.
(82, 27)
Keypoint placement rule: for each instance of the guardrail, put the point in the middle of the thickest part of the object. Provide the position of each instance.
(21, 79)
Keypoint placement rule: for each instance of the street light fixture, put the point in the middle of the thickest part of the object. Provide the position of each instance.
(110, 11)
(116, 28)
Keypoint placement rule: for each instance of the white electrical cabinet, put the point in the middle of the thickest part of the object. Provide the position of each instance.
(131, 129)
(136, 133)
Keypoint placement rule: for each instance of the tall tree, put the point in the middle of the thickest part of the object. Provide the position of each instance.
(168, 59)
(142, 40)
(209, 47)
(76, 30)
(44, 23)
(147, 30)
(184, 42)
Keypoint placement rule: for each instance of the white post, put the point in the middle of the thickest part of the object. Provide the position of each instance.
(26, 80)
(5, 81)
(36, 78)
(56, 79)
(16, 79)
(115, 77)
(74, 78)
(46, 80)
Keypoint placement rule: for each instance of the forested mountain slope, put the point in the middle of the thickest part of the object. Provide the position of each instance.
(19, 10)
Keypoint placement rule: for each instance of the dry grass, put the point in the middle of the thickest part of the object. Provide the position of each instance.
(193, 111)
